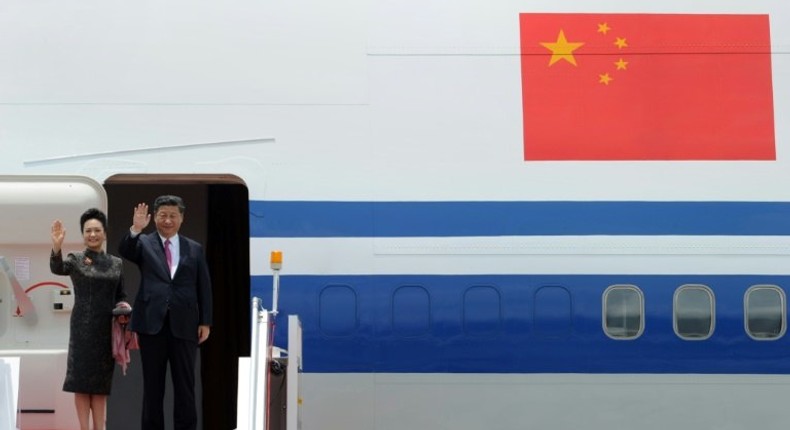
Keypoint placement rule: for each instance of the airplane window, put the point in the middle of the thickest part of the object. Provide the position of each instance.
(764, 312)
(338, 310)
(623, 312)
(694, 312)
(553, 316)
(411, 311)
(482, 311)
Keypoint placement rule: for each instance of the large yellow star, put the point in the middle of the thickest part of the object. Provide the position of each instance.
(562, 49)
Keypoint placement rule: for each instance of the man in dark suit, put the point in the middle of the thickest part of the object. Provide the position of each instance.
(172, 310)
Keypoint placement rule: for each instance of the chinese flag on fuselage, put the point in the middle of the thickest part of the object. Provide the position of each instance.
(646, 87)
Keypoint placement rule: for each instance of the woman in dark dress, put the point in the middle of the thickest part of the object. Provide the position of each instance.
(98, 287)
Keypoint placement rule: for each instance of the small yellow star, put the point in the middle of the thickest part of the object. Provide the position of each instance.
(562, 49)
(621, 43)
(603, 28)
(621, 64)
(605, 79)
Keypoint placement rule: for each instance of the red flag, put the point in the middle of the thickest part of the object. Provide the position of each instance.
(646, 87)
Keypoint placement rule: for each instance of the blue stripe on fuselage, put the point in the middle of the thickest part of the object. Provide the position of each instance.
(518, 218)
(370, 327)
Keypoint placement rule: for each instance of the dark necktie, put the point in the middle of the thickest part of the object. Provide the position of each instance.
(168, 255)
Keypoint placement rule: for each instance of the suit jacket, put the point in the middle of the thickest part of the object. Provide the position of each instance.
(187, 295)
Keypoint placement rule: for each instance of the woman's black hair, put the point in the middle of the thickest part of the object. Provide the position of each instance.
(96, 214)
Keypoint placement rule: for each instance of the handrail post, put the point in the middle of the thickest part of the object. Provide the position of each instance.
(254, 352)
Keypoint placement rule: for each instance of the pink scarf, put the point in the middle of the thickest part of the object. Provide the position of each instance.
(123, 340)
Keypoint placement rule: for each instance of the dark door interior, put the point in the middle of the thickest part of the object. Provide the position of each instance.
(217, 215)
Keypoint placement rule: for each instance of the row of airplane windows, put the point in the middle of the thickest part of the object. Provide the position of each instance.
(623, 314)
(694, 312)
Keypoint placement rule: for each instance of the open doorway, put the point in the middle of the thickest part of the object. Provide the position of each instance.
(217, 215)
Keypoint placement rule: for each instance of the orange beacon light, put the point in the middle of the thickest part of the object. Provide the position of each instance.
(276, 260)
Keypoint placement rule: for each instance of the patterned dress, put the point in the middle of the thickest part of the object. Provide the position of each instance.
(98, 286)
